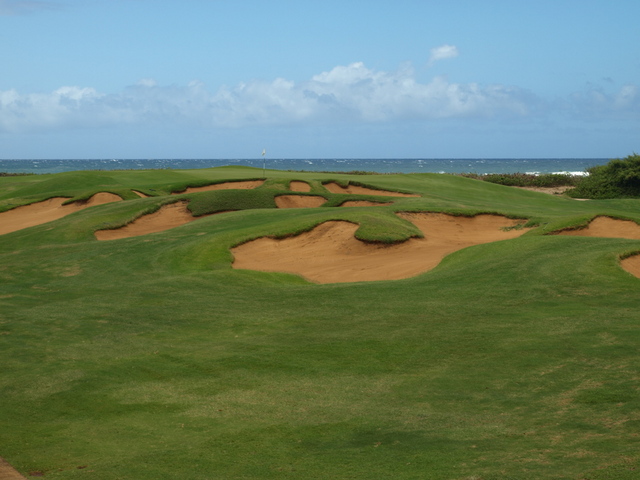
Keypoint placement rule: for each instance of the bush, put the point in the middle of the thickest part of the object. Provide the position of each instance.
(617, 179)
(527, 179)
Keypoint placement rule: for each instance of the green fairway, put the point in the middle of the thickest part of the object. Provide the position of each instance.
(150, 358)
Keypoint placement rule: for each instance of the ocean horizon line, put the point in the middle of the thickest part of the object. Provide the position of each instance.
(481, 165)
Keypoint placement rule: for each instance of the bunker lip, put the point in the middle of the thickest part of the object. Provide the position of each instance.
(632, 264)
(48, 210)
(167, 217)
(7, 472)
(363, 203)
(239, 185)
(605, 227)
(299, 186)
(330, 253)
(299, 201)
(333, 187)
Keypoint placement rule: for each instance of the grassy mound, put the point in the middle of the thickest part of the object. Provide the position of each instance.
(150, 357)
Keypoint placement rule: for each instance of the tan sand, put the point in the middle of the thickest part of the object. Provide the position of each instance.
(47, 211)
(299, 201)
(7, 472)
(357, 190)
(167, 217)
(298, 186)
(632, 265)
(363, 203)
(612, 228)
(243, 185)
(331, 254)
(549, 190)
(607, 227)
(140, 194)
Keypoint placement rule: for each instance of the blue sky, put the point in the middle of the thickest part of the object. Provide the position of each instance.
(312, 79)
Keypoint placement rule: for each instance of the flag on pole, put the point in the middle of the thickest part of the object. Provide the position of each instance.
(264, 152)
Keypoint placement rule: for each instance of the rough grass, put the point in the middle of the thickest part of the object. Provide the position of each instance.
(149, 357)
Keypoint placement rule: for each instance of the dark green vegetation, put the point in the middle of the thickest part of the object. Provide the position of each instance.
(6, 174)
(150, 358)
(528, 179)
(619, 178)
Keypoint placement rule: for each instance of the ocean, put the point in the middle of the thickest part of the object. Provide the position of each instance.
(576, 166)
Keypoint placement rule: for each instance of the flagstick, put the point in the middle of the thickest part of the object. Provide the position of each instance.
(264, 163)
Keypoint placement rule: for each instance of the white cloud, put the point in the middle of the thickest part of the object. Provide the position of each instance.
(345, 94)
(596, 103)
(19, 7)
(442, 52)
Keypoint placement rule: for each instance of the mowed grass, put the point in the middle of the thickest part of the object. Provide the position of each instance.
(150, 358)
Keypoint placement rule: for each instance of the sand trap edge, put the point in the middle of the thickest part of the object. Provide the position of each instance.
(330, 253)
(168, 216)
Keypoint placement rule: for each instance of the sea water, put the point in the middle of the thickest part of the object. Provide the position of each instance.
(576, 166)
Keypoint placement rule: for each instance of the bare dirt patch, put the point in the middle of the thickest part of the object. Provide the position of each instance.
(363, 203)
(167, 217)
(299, 201)
(47, 211)
(243, 185)
(298, 186)
(607, 227)
(7, 472)
(358, 190)
(331, 254)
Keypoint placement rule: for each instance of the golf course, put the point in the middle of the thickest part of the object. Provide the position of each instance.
(236, 324)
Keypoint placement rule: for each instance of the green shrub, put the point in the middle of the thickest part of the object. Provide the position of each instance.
(527, 179)
(617, 179)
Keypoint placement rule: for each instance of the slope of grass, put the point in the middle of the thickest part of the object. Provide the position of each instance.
(149, 357)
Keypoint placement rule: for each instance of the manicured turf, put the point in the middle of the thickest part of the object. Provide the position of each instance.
(150, 358)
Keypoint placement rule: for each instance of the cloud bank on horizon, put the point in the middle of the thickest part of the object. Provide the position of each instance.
(350, 93)
(317, 81)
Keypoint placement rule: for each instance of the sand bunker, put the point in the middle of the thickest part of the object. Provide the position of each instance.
(299, 201)
(7, 472)
(632, 265)
(331, 254)
(363, 203)
(47, 211)
(169, 216)
(297, 186)
(607, 227)
(244, 185)
(547, 190)
(357, 190)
